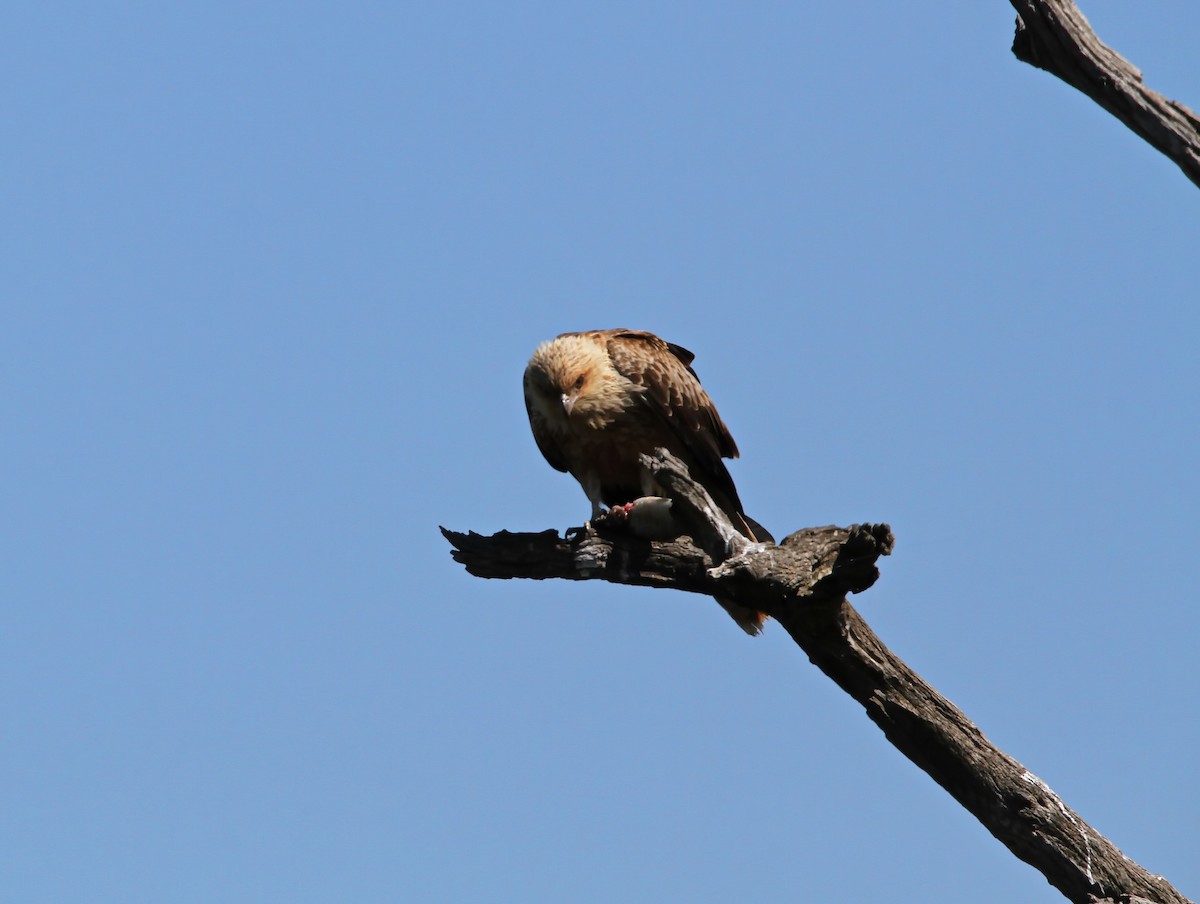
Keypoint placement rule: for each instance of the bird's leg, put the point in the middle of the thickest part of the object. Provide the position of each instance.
(591, 486)
(648, 516)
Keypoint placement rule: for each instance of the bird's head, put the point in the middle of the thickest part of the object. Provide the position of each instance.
(571, 380)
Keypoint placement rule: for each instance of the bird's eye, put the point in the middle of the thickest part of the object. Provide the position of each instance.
(579, 382)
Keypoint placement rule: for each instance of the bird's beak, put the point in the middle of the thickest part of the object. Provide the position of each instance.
(568, 402)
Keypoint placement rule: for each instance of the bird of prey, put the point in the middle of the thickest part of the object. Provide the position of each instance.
(598, 399)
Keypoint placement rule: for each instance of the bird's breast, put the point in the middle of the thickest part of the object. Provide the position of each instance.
(610, 457)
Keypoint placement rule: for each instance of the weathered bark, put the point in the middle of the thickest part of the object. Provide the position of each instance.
(803, 583)
(1053, 35)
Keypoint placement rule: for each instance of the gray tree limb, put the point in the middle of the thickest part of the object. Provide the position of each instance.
(1054, 35)
(803, 583)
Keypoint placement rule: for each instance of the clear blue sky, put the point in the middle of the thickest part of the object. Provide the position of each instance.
(271, 273)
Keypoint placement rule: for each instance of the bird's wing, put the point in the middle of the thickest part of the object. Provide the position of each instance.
(674, 393)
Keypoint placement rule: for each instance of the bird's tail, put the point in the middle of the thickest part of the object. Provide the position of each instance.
(749, 620)
(753, 529)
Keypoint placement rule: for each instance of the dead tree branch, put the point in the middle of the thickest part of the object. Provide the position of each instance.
(803, 583)
(1054, 35)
